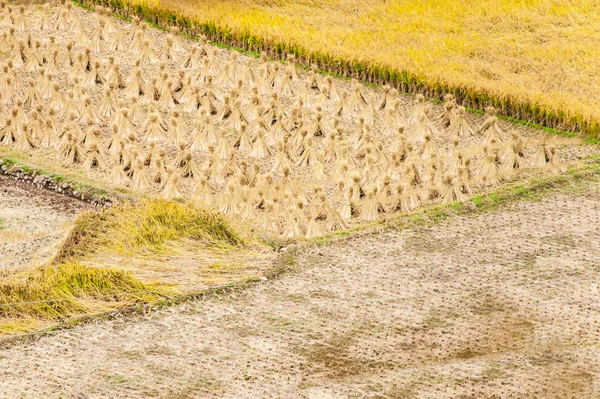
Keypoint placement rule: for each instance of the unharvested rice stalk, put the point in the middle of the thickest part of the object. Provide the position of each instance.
(485, 54)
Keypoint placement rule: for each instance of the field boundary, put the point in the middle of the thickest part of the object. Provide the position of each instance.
(530, 190)
(18, 170)
(404, 80)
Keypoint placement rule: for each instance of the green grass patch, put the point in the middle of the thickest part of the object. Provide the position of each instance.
(478, 201)
(12, 161)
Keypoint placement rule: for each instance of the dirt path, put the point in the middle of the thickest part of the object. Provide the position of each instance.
(31, 221)
(499, 305)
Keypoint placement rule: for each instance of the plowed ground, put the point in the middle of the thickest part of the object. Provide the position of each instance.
(497, 305)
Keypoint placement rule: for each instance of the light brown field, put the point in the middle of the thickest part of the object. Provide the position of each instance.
(32, 222)
(495, 305)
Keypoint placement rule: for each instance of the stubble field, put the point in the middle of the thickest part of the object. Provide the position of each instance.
(497, 305)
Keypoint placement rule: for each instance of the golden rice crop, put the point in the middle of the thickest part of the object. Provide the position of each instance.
(534, 60)
(148, 224)
(58, 291)
(291, 152)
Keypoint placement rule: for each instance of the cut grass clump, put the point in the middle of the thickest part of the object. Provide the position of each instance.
(146, 226)
(70, 287)
(57, 291)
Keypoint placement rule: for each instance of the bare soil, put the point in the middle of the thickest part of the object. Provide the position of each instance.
(497, 305)
(32, 220)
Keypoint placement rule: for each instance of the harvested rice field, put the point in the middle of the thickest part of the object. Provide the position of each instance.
(534, 59)
(296, 154)
(32, 221)
(502, 304)
(180, 219)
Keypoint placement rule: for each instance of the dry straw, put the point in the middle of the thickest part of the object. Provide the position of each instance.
(297, 153)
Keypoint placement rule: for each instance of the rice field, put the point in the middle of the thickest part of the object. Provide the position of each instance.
(533, 59)
(291, 152)
(501, 304)
(231, 225)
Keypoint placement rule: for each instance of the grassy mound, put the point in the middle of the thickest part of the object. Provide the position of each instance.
(146, 226)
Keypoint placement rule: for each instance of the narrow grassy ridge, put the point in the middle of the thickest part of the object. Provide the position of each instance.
(13, 160)
(575, 181)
